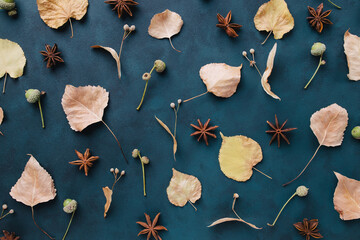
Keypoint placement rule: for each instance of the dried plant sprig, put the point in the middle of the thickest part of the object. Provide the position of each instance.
(3, 214)
(317, 50)
(176, 110)
(114, 54)
(144, 161)
(70, 206)
(159, 66)
(252, 62)
(301, 191)
(33, 96)
(108, 192)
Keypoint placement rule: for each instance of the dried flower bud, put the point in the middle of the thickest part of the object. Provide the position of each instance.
(122, 173)
(11, 211)
(252, 51)
(135, 153)
(244, 53)
(323, 62)
(4, 206)
(145, 160)
(70, 205)
(159, 66)
(302, 191)
(116, 171)
(146, 76)
(126, 27)
(132, 28)
(318, 49)
(111, 170)
(172, 105)
(179, 101)
(236, 195)
(355, 132)
(32, 95)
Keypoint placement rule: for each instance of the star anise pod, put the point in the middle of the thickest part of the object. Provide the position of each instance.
(85, 161)
(151, 228)
(318, 18)
(278, 131)
(308, 228)
(204, 131)
(122, 5)
(51, 55)
(230, 28)
(9, 236)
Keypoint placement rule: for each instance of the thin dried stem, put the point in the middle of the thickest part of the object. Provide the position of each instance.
(317, 69)
(267, 38)
(32, 214)
(68, 227)
(262, 172)
(334, 4)
(4, 83)
(273, 224)
(72, 30)
(176, 117)
(192, 205)
(173, 45)
(233, 208)
(304, 167)
(41, 115)
(122, 151)
(187, 100)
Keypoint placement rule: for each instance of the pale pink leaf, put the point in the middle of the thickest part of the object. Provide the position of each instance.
(108, 195)
(227, 219)
(114, 55)
(265, 77)
(352, 51)
(1, 115)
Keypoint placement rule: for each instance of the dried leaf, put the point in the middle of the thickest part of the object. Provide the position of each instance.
(34, 186)
(114, 55)
(12, 59)
(352, 51)
(84, 106)
(237, 157)
(346, 197)
(183, 188)
(108, 195)
(220, 78)
(1, 115)
(274, 17)
(329, 124)
(265, 77)
(168, 130)
(165, 25)
(56, 13)
(227, 219)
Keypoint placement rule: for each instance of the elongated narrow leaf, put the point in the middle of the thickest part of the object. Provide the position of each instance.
(108, 195)
(227, 219)
(114, 55)
(168, 130)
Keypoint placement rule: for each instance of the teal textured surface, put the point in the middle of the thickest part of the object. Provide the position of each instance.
(245, 113)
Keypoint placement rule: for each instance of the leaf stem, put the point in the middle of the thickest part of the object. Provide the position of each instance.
(334, 4)
(262, 172)
(192, 205)
(32, 214)
(314, 73)
(233, 208)
(267, 38)
(72, 30)
(68, 227)
(273, 224)
(41, 114)
(176, 117)
(143, 173)
(173, 46)
(143, 96)
(304, 167)
(122, 151)
(202, 94)
(4, 83)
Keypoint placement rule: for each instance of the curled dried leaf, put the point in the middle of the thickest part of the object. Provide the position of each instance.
(114, 55)
(265, 77)
(220, 78)
(165, 25)
(346, 197)
(183, 188)
(227, 219)
(1, 115)
(352, 51)
(172, 135)
(108, 195)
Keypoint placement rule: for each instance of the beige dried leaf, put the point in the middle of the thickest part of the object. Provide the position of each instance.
(172, 135)
(84, 106)
(227, 219)
(183, 188)
(274, 17)
(56, 13)
(329, 124)
(346, 197)
(352, 51)
(34, 186)
(12, 59)
(108, 195)
(165, 25)
(265, 77)
(1, 115)
(220, 78)
(114, 55)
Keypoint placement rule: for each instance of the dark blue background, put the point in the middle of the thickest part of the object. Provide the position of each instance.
(244, 113)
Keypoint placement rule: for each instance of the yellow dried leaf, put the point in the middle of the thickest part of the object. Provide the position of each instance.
(274, 17)
(265, 77)
(108, 195)
(220, 78)
(237, 157)
(352, 51)
(12, 59)
(346, 197)
(56, 13)
(165, 25)
(183, 188)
